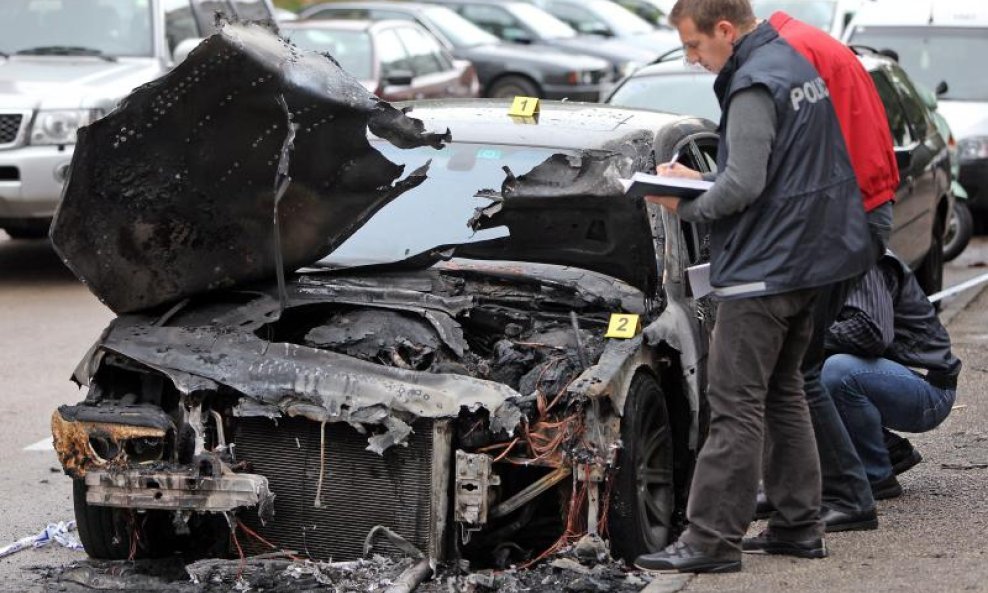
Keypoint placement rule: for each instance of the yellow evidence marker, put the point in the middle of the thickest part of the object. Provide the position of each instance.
(527, 107)
(623, 326)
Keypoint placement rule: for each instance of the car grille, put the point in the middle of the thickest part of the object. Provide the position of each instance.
(10, 127)
(360, 489)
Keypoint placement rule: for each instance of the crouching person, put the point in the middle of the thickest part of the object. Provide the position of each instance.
(887, 329)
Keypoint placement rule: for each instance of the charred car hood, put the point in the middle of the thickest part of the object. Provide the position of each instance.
(253, 154)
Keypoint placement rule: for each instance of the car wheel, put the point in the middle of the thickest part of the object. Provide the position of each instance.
(513, 86)
(960, 228)
(930, 272)
(643, 495)
(106, 532)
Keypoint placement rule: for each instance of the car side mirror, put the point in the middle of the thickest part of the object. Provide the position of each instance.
(399, 78)
(184, 48)
(942, 88)
(903, 159)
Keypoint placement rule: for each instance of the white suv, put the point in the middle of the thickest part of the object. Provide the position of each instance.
(64, 63)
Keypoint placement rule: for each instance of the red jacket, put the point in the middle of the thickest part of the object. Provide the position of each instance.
(858, 106)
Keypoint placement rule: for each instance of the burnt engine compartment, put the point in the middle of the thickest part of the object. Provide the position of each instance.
(533, 336)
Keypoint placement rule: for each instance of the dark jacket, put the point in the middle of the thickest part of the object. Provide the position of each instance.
(807, 229)
(859, 108)
(887, 315)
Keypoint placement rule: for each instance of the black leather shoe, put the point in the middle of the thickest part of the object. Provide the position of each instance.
(763, 508)
(766, 543)
(902, 454)
(834, 520)
(887, 488)
(680, 557)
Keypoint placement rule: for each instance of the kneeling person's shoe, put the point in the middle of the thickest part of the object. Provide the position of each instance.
(766, 543)
(886, 488)
(835, 520)
(681, 557)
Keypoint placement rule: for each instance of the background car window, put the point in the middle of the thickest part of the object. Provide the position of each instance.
(493, 19)
(579, 18)
(911, 102)
(180, 24)
(391, 54)
(457, 30)
(820, 14)
(934, 54)
(423, 51)
(341, 13)
(352, 49)
(252, 10)
(111, 27)
(687, 94)
(898, 124)
(532, 18)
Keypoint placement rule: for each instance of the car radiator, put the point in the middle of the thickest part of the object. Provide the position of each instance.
(406, 490)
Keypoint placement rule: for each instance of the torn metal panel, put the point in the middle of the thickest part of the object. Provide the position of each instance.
(616, 367)
(176, 490)
(283, 374)
(183, 172)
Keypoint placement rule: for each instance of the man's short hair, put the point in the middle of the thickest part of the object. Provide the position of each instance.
(707, 13)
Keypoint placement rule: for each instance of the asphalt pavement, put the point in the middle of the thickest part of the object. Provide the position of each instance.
(933, 538)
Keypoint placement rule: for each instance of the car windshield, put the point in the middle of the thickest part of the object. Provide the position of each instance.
(76, 27)
(686, 94)
(820, 14)
(547, 26)
(437, 211)
(930, 55)
(620, 20)
(352, 49)
(459, 31)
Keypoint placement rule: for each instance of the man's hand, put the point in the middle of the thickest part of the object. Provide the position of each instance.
(677, 170)
(668, 202)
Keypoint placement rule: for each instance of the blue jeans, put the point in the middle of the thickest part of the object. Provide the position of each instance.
(873, 392)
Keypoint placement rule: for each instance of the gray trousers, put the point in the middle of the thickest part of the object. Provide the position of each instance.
(755, 391)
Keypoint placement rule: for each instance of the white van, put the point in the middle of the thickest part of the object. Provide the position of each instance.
(64, 63)
(945, 41)
(830, 15)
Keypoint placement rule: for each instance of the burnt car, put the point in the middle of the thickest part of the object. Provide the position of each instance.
(395, 60)
(435, 318)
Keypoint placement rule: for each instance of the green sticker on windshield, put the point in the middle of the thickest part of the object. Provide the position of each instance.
(489, 153)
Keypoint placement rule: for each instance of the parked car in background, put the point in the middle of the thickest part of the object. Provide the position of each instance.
(924, 201)
(608, 19)
(64, 64)
(942, 41)
(284, 15)
(438, 363)
(830, 15)
(655, 12)
(504, 69)
(395, 60)
(520, 22)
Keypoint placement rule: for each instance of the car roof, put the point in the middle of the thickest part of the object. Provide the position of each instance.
(916, 13)
(559, 124)
(674, 66)
(340, 24)
(368, 4)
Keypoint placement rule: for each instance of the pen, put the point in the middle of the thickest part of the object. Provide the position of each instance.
(672, 161)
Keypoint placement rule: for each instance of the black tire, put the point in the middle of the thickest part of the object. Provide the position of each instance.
(640, 517)
(511, 86)
(930, 272)
(105, 532)
(960, 228)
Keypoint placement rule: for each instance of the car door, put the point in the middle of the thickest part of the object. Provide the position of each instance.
(435, 76)
(911, 227)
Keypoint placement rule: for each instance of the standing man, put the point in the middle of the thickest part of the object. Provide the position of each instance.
(786, 219)
(848, 498)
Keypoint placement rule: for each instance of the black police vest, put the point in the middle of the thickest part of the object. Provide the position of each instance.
(808, 227)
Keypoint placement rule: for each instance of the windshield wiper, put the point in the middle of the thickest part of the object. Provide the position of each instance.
(65, 50)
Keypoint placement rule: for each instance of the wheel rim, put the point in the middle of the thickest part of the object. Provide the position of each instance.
(654, 477)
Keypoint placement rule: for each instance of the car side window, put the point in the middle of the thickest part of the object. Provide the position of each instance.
(579, 18)
(391, 53)
(492, 19)
(898, 124)
(390, 15)
(423, 51)
(911, 102)
(180, 23)
(342, 13)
